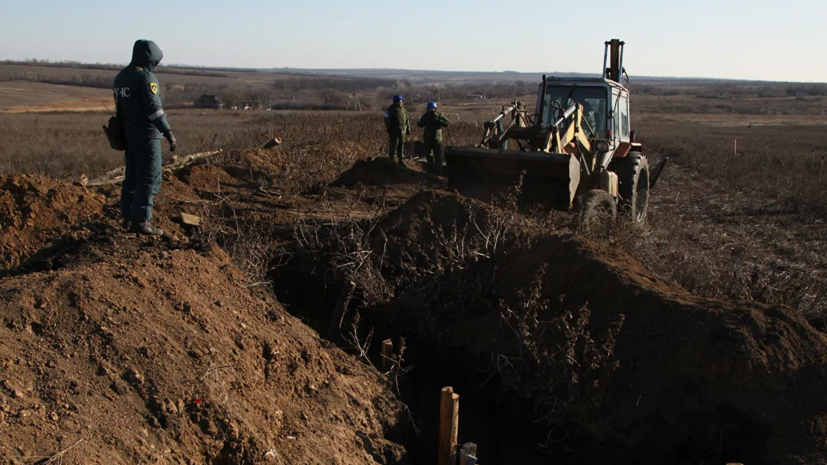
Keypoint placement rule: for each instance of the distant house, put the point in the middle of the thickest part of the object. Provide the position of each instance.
(208, 101)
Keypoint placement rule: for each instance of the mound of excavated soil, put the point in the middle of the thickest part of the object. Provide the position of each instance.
(205, 177)
(117, 349)
(35, 209)
(139, 352)
(383, 172)
(236, 168)
(429, 209)
(696, 380)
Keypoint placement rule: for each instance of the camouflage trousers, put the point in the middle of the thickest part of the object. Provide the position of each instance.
(435, 155)
(396, 143)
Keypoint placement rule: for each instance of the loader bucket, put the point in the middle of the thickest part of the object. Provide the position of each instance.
(550, 180)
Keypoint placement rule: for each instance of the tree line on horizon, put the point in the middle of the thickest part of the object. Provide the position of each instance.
(324, 92)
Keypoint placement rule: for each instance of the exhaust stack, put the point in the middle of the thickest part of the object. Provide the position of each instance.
(615, 70)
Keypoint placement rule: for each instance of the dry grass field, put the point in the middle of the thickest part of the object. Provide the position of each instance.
(22, 96)
(774, 179)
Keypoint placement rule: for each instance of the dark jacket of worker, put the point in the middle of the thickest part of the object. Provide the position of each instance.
(138, 95)
(433, 122)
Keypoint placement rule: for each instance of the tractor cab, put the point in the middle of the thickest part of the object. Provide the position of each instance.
(605, 108)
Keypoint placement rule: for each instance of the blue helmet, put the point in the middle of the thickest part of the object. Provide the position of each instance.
(431, 106)
(397, 98)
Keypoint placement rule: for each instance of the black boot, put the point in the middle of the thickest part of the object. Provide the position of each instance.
(126, 225)
(146, 229)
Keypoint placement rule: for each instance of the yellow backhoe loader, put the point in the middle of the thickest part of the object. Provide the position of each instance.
(577, 145)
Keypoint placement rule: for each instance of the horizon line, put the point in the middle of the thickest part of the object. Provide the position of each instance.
(81, 64)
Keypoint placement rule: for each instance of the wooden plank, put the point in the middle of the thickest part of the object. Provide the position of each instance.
(448, 427)
(191, 220)
(115, 176)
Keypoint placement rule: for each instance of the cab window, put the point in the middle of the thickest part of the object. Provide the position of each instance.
(594, 101)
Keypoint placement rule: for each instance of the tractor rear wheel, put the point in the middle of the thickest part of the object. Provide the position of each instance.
(633, 184)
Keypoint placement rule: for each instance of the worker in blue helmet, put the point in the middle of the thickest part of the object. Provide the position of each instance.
(433, 121)
(398, 125)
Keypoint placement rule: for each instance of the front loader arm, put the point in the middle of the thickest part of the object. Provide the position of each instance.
(495, 134)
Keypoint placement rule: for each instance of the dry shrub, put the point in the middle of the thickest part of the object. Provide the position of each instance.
(448, 267)
(448, 271)
(341, 250)
(556, 362)
(688, 254)
(249, 242)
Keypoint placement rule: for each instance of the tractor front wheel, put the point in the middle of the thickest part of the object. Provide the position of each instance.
(597, 212)
(633, 184)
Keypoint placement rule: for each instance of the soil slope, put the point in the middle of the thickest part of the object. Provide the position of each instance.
(116, 349)
(696, 379)
(147, 352)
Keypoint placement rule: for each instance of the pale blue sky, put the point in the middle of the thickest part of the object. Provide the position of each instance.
(750, 39)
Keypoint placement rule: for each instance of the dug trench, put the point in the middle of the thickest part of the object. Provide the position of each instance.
(561, 348)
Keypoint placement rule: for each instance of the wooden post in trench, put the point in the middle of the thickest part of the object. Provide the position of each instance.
(448, 427)
(387, 355)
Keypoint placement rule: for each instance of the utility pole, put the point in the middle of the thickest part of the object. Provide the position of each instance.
(354, 101)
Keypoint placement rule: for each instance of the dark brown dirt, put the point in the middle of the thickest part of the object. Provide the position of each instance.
(383, 171)
(34, 210)
(697, 379)
(206, 177)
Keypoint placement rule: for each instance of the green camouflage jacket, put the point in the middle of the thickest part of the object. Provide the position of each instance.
(396, 120)
(433, 122)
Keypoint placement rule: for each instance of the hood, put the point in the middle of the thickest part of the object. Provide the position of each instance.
(147, 54)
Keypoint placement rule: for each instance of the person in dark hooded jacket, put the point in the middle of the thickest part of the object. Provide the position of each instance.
(138, 103)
